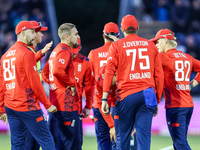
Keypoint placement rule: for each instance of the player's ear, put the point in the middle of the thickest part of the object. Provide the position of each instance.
(67, 37)
(138, 28)
(122, 30)
(23, 33)
(166, 40)
(104, 36)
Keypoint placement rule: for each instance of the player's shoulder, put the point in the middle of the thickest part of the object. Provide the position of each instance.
(22, 49)
(82, 57)
(62, 48)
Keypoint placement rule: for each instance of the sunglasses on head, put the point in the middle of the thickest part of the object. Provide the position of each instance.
(40, 24)
(112, 33)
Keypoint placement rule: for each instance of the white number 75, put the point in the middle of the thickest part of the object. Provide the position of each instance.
(146, 57)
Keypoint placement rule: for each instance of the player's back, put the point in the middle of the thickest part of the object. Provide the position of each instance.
(98, 58)
(135, 59)
(18, 93)
(177, 67)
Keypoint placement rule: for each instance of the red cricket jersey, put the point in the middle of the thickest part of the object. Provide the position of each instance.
(59, 74)
(138, 66)
(98, 58)
(83, 73)
(99, 90)
(2, 109)
(177, 68)
(111, 97)
(22, 88)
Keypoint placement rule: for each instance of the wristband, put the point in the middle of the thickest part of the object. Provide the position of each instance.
(104, 99)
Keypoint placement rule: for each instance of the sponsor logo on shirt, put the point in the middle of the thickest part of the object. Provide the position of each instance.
(102, 54)
(62, 61)
(135, 43)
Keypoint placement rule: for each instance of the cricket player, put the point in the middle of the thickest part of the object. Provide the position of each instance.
(22, 90)
(139, 85)
(31, 143)
(177, 67)
(59, 73)
(85, 80)
(98, 58)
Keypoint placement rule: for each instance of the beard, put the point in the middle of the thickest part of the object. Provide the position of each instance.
(29, 41)
(75, 45)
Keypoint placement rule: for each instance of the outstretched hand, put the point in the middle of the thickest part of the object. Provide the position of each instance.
(46, 48)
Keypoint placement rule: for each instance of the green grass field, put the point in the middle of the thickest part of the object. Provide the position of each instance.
(157, 142)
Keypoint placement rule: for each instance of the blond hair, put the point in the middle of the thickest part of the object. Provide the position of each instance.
(64, 29)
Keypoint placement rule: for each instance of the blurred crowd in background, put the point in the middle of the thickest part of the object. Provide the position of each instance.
(14, 11)
(183, 15)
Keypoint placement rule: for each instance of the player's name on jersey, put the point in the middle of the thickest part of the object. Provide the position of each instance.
(102, 54)
(135, 43)
(11, 53)
(142, 75)
(182, 87)
(10, 86)
(178, 55)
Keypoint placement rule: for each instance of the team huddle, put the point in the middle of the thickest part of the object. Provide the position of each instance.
(123, 82)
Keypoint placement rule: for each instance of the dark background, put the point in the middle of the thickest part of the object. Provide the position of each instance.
(89, 16)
